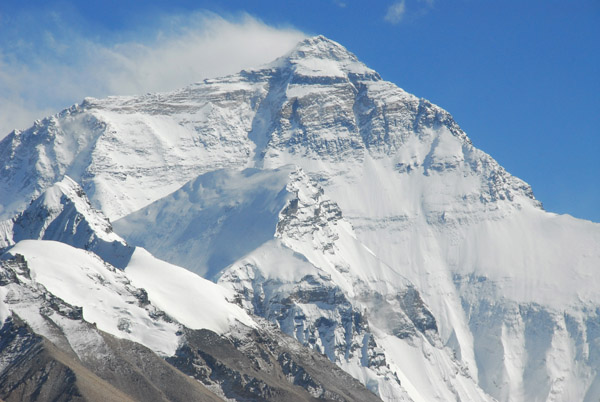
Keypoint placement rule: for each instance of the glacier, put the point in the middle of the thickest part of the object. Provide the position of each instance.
(355, 217)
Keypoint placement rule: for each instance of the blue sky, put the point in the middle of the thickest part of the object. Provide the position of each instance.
(522, 78)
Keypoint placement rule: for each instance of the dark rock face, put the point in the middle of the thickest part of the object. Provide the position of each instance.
(415, 308)
(264, 365)
(139, 372)
(33, 370)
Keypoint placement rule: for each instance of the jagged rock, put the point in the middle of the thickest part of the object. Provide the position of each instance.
(262, 365)
(64, 213)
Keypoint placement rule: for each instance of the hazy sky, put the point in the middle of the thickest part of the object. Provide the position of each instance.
(522, 78)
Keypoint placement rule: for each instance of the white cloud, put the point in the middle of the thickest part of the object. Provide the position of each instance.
(396, 12)
(189, 49)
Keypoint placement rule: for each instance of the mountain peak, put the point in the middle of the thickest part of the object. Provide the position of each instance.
(64, 213)
(319, 56)
(323, 48)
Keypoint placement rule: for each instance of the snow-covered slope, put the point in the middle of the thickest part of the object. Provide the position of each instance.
(57, 304)
(511, 287)
(127, 152)
(148, 301)
(321, 284)
(64, 215)
(190, 299)
(50, 352)
(189, 227)
(112, 299)
(300, 265)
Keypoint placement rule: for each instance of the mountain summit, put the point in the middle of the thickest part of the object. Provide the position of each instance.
(322, 57)
(352, 216)
(317, 102)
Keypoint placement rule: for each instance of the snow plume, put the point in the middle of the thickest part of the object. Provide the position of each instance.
(59, 64)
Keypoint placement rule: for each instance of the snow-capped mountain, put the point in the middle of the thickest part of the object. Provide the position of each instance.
(354, 216)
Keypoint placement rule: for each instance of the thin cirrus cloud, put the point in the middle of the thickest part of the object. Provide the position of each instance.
(72, 66)
(395, 12)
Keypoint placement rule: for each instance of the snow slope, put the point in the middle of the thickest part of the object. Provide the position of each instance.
(202, 238)
(50, 348)
(117, 301)
(127, 152)
(104, 293)
(49, 352)
(309, 274)
(188, 298)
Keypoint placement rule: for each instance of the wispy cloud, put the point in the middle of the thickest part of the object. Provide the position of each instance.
(395, 12)
(399, 12)
(42, 75)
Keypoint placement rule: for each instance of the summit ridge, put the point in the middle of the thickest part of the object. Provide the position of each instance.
(320, 56)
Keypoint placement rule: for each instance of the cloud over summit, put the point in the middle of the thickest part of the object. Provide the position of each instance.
(58, 66)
